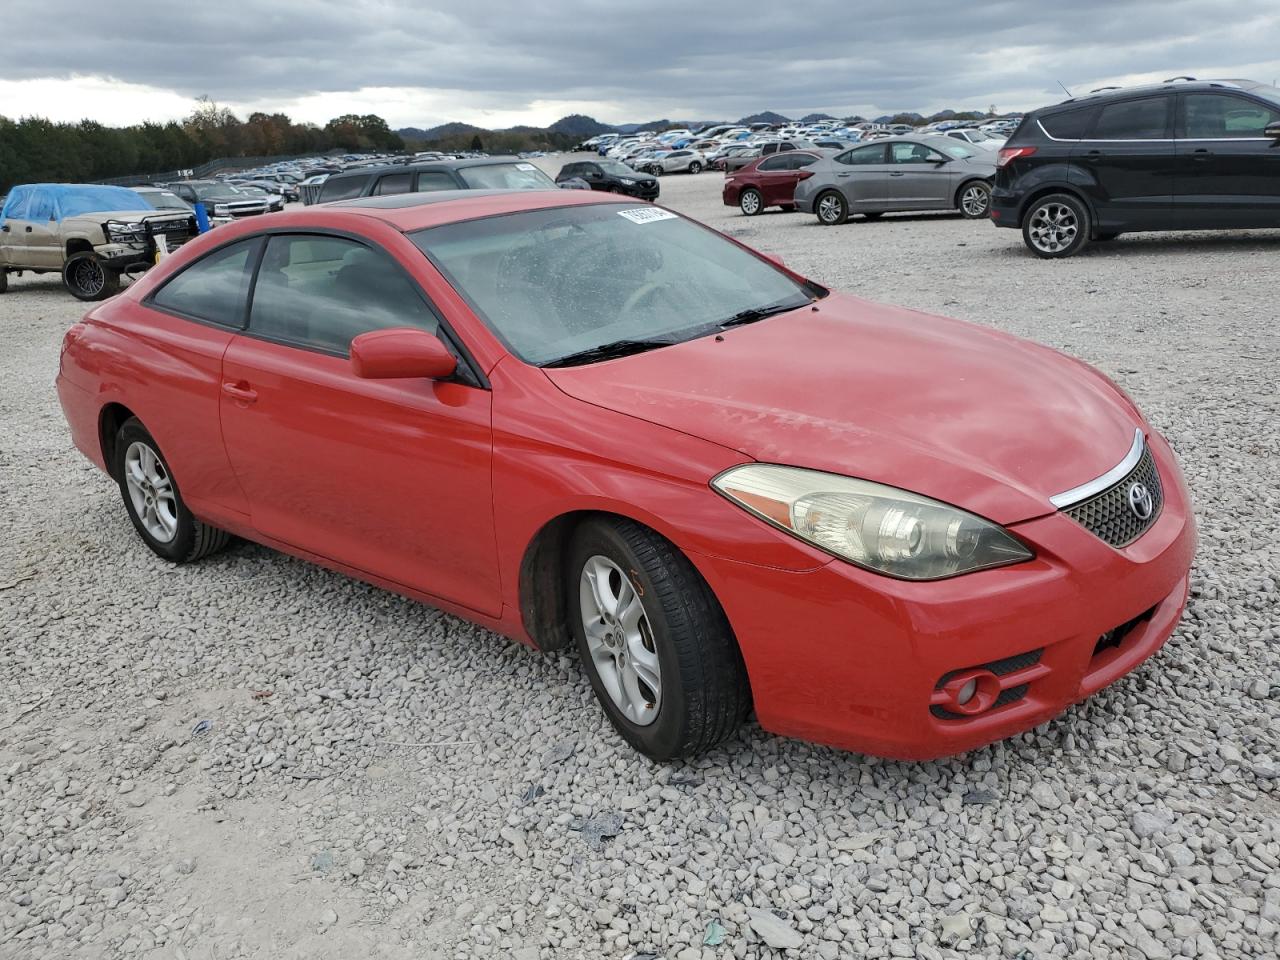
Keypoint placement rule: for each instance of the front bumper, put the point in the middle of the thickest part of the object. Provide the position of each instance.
(848, 658)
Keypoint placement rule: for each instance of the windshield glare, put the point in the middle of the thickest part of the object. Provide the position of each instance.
(621, 169)
(506, 176)
(551, 283)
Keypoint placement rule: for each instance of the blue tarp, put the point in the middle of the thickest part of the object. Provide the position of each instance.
(56, 201)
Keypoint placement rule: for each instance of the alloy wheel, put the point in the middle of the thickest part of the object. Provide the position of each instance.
(829, 208)
(620, 640)
(974, 201)
(88, 276)
(750, 203)
(1053, 227)
(151, 491)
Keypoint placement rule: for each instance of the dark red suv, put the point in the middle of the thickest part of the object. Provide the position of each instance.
(767, 182)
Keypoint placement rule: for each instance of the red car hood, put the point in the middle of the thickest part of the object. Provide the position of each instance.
(954, 411)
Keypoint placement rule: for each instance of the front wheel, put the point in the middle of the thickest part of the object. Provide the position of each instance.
(88, 279)
(831, 208)
(751, 203)
(1056, 226)
(656, 645)
(153, 502)
(975, 201)
(695, 167)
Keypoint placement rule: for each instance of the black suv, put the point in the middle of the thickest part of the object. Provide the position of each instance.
(612, 176)
(477, 173)
(1180, 155)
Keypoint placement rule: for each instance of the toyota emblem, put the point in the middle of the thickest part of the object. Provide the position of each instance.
(1140, 501)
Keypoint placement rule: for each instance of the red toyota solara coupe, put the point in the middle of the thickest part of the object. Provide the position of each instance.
(572, 419)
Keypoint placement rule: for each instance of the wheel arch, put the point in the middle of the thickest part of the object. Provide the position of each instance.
(1046, 190)
(110, 419)
(968, 182)
(78, 245)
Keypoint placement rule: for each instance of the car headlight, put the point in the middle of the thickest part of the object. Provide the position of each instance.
(120, 231)
(881, 528)
(626, 182)
(221, 210)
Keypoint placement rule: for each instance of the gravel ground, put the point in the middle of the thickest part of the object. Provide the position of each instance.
(252, 757)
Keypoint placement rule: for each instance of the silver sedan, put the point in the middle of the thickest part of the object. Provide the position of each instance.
(899, 174)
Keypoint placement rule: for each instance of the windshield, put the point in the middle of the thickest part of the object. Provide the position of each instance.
(506, 176)
(208, 191)
(616, 168)
(164, 200)
(557, 282)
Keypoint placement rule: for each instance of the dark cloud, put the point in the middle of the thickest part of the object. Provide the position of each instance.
(705, 59)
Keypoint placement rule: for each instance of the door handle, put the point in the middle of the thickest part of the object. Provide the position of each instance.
(4, 229)
(898, 174)
(1202, 155)
(1093, 155)
(843, 174)
(241, 391)
(28, 229)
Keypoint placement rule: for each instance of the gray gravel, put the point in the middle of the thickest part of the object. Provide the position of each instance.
(377, 779)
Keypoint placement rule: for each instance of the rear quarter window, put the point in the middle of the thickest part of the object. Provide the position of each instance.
(342, 188)
(1068, 125)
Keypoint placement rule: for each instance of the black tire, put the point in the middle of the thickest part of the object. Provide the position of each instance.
(192, 539)
(88, 278)
(705, 694)
(873, 215)
(831, 208)
(974, 200)
(1044, 223)
(695, 167)
(4, 280)
(751, 202)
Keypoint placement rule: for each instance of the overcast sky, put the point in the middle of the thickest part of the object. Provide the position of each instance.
(497, 63)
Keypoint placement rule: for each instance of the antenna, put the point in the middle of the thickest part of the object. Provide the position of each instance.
(1064, 87)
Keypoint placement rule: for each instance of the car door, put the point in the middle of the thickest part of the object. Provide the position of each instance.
(861, 175)
(391, 477)
(393, 183)
(41, 229)
(793, 163)
(595, 177)
(1128, 162)
(1228, 170)
(13, 229)
(773, 178)
(918, 177)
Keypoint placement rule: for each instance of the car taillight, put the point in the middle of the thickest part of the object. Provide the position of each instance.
(804, 175)
(1008, 154)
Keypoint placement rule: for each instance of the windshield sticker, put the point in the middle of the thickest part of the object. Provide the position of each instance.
(646, 214)
(525, 166)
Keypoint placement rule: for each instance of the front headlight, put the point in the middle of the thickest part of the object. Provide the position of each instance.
(221, 210)
(881, 528)
(119, 231)
(626, 182)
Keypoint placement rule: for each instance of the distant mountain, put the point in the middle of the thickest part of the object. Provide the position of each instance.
(815, 117)
(576, 125)
(767, 117)
(440, 132)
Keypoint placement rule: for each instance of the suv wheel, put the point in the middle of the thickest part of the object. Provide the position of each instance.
(88, 279)
(975, 200)
(4, 280)
(831, 208)
(1056, 226)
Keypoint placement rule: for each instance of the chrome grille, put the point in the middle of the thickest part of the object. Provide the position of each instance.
(1108, 515)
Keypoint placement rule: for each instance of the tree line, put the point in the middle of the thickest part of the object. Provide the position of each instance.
(36, 150)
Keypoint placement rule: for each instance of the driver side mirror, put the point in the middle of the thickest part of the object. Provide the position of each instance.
(401, 353)
(1272, 131)
(939, 159)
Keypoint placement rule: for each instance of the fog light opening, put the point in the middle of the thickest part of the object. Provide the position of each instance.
(971, 692)
(965, 693)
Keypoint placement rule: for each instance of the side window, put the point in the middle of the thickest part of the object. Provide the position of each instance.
(788, 145)
(1146, 119)
(862, 155)
(800, 160)
(778, 162)
(394, 183)
(215, 287)
(41, 208)
(320, 292)
(909, 153)
(15, 206)
(1219, 116)
(430, 180)
(573, 170)
(1070, 124)
(342, 188)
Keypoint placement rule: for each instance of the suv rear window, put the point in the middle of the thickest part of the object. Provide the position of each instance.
(1146, 119)
(342, 188)
(1070, 124)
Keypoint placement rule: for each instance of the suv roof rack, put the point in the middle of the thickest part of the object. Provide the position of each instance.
(1100, 89)
(1176, 79)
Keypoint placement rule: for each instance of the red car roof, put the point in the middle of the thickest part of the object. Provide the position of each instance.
(415, 211)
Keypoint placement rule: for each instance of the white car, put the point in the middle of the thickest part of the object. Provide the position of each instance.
(677, 161)
(981, 138)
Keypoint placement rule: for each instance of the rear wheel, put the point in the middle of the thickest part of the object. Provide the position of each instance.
(974, 200)
(654, 642)
(4, 280)
(88, 278)
(751, 202)
(153, 502)
(831, 208)
(1056, 226)
(695, 167)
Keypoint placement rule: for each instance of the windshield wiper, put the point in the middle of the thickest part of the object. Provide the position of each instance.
(759, 313)
(608, 351)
